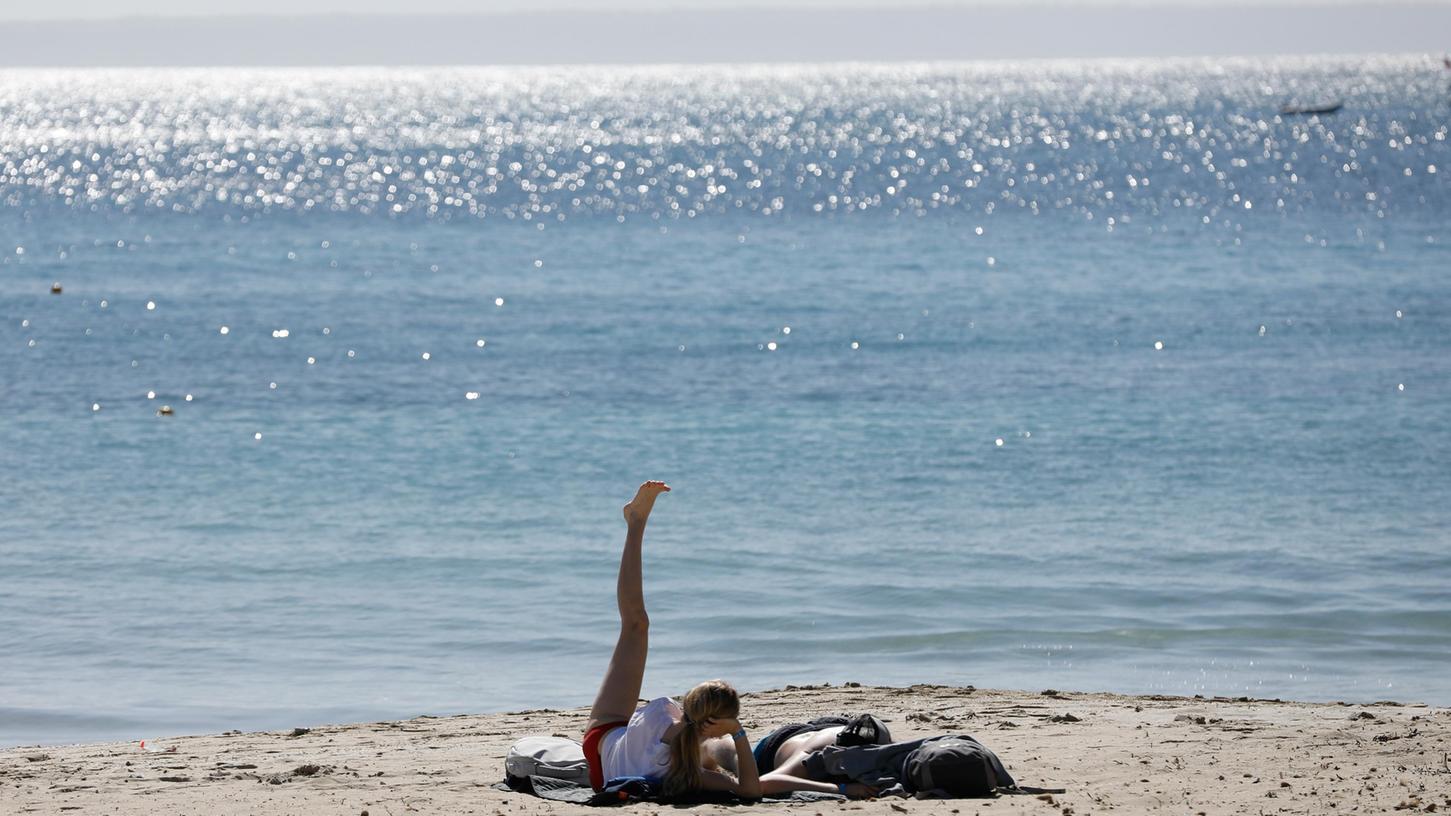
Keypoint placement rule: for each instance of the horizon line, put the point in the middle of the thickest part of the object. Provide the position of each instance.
(773, 64)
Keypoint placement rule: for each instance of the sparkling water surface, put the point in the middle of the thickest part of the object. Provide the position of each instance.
(1084, 375)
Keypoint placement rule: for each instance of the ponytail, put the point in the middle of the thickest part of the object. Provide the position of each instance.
(684, 773)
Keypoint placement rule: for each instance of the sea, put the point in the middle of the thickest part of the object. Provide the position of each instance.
(321, 389)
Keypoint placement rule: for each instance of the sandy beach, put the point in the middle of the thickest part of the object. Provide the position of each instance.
(1147, 754)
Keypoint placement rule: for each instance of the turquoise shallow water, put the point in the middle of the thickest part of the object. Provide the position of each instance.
(1257, 507)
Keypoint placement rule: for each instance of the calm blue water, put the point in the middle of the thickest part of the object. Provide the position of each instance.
(892, 333)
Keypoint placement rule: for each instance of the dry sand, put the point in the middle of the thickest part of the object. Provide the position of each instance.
(1111, 753)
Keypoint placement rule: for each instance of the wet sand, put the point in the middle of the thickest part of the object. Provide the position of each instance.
(1111, 753)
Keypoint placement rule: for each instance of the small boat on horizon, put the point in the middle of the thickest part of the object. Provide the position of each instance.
(1309, 110)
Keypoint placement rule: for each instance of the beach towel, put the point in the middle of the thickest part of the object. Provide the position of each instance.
(636, 789)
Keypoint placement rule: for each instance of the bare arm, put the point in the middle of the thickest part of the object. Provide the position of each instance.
(773, 783)
(750, 780)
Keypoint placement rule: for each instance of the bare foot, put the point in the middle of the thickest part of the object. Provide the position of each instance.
(638, 510)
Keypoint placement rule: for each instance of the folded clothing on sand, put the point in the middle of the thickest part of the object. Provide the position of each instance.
(949, 765)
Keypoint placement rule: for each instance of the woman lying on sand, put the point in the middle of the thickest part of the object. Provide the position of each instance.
(663, 740)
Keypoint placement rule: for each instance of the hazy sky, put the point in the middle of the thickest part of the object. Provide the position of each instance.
(102, 9)
(515, 32)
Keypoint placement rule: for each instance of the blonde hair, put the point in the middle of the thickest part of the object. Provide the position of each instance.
(711, 700)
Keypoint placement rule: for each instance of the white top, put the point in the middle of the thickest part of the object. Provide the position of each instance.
(636, 749)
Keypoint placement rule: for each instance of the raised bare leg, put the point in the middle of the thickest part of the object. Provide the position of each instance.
(621, 687)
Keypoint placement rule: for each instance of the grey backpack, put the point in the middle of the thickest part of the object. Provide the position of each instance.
(554, 757)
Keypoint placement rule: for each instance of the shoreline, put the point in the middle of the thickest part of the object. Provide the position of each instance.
(160, 734)
(1138, 754)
